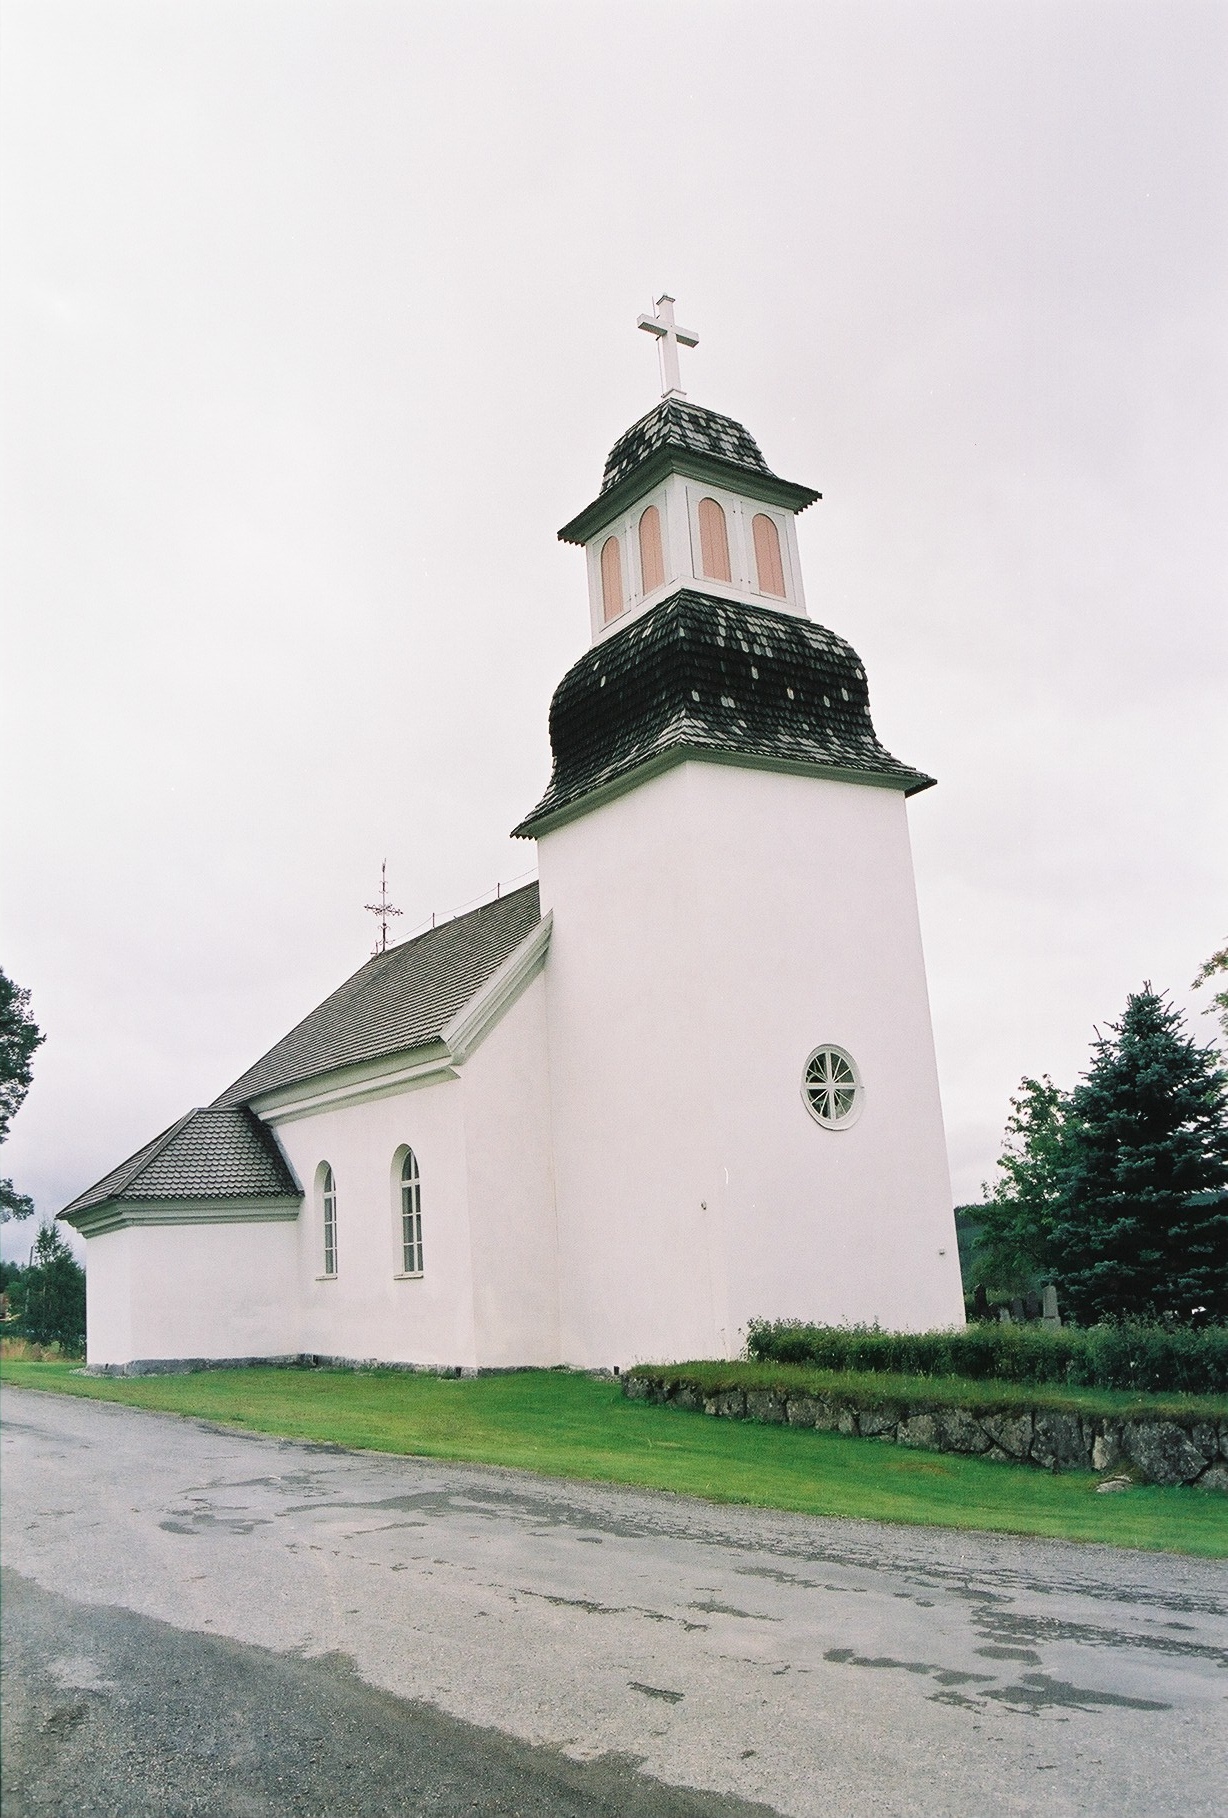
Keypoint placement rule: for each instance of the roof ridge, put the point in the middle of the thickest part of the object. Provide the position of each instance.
(214, 1153)
(141, 1160)
(119, 1179)
(397, 1001)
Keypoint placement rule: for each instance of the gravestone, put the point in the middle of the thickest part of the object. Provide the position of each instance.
(1050, 1314)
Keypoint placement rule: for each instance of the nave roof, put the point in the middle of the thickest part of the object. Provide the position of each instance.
(400, 1000)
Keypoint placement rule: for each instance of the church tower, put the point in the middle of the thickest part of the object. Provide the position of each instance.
(745, 1110)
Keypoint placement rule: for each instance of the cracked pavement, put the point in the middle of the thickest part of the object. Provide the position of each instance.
(647, 1641)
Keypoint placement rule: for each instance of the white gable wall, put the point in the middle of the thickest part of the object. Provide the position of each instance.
(711, 928)
(513, 1234)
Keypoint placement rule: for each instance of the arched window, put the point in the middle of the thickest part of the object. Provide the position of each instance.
(328, 1206)
(767, 556)
(652, 556)
(411, 1216)
(713, 541)
(611, 579)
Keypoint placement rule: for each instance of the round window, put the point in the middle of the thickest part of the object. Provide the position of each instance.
(831, 1087)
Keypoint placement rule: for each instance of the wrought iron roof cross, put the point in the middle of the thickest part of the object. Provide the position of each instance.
(383, 909)
(669, 339)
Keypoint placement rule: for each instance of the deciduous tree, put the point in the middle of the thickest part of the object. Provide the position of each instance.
(1215, 967)
(1016, 1220)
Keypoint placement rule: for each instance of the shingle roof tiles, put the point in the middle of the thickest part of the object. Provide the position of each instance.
(709, 675)
(399, 1000)
(212, 1153)
(675, 423)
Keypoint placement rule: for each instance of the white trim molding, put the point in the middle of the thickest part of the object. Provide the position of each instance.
(421, 1066)
(114, 1215)
(474, 1021)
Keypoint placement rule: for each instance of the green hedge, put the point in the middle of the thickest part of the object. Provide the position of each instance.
(1130, 1355)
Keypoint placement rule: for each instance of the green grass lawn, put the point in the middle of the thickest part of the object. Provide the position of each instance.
(566, 1425)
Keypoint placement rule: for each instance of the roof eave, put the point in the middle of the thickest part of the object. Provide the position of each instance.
(231, 1209)
(534, 825)
(608, 505)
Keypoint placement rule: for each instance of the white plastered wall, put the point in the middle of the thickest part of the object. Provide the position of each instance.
(711, 928)
(161, 1292)
(513, 1234)
(487, 1293)
(368, 1310)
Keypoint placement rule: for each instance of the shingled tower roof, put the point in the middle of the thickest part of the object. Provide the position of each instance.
(680, 437)
(700, 677)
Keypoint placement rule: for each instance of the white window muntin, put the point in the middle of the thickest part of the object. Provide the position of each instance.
(409, 1206)
(328, 1220)
(832, 1089)
(626, 529)
(739, 515)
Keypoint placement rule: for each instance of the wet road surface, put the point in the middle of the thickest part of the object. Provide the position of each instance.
(265, 1626)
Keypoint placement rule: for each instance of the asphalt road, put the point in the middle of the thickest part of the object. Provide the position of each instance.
(199, 1621)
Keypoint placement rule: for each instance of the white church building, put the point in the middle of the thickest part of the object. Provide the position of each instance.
(685, 1080)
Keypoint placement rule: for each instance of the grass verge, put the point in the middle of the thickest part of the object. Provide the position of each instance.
(570, 1425)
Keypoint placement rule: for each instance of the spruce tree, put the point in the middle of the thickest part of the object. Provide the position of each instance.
(1141, 1228)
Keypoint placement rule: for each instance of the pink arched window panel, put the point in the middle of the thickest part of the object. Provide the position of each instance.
(652, 556)
(713, 542)
(767, 556)
(611, 579)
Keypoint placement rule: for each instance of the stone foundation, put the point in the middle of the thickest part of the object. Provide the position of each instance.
(1151, 1450)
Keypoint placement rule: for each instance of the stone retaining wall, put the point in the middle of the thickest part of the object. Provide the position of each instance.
(1149, 1450)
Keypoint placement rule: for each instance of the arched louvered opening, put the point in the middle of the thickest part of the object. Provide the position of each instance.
(713, 542)
(768, 564)
(652, 555)
(611, 579)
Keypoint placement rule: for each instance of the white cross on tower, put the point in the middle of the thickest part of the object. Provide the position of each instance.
(669, 339)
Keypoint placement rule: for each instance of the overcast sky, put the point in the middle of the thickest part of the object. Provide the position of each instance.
(319, 320)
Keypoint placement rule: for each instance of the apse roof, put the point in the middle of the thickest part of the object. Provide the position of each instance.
(703, 677)
(211, 1153)
(399, 1000)
(678, 436)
